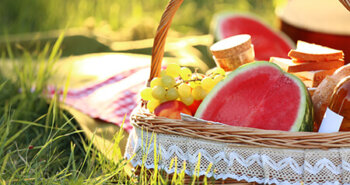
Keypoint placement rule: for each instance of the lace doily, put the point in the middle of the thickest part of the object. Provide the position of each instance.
(261, 165)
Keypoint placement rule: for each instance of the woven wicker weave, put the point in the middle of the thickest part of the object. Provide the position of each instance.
(223, 133)
(346, 3)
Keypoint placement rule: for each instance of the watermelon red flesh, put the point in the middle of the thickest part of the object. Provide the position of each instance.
(261, 97)
(266, 42)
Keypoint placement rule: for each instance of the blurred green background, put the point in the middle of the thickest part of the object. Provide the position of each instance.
(95, 26)
(132, 19)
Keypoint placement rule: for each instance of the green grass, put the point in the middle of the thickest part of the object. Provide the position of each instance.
(40, 143)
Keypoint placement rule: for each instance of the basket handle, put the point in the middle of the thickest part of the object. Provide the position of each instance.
(159, 40)
(346, 3)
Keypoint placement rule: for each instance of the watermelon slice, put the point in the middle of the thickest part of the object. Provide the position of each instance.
(266, 41)
(260, 95)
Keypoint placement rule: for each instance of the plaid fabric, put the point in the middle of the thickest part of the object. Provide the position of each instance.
(111, 100)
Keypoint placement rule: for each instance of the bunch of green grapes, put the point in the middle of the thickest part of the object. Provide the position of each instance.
(179, 83)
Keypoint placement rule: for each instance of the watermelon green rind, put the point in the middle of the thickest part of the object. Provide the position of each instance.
(218, 18)
(304, 120)
(306, 109)
(309, 116)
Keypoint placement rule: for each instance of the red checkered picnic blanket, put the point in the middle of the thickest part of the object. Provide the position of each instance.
(111, 100)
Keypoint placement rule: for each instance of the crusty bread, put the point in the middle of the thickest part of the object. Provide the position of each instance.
(314, 76)
(289, 66)
(322, 94)
(309, 83)
(232, 63)
(342, 71)
(231, 46)
(312, 52)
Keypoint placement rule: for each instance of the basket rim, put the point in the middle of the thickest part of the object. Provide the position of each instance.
(240, 136)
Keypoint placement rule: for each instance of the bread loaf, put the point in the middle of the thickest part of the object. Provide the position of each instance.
(313, 52)
(289, 66)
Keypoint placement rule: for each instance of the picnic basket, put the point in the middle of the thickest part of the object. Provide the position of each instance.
(236, 154)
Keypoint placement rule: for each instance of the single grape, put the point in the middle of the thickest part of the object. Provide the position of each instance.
(173, 70)
(217, 79)
(171, 94)
(146, 93)
(158, 92)
(208, 83)
(156, 81)
(194, 84)
(185, 73)
(152, 104)
(168, 81)
(199, 93)
(184, 90)
(187, 100)
(163, 73)
(220, 71)
(210, 71)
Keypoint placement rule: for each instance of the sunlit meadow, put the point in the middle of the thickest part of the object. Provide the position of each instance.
(40, 141)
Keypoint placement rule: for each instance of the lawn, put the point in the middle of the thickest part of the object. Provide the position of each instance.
(41, 141)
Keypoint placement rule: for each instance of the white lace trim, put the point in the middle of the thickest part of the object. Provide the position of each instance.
(261, 165)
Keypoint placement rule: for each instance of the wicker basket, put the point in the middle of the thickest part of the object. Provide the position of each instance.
(346, 3)
(259, 156)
